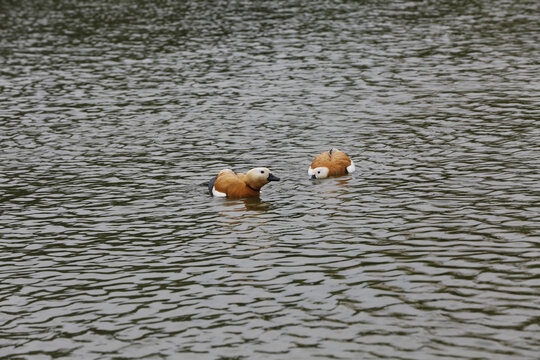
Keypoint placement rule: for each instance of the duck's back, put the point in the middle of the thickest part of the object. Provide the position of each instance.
(233, 185)
(339, 162)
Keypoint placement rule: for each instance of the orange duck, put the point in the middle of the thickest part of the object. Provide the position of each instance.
(228, 183)
(330, 163)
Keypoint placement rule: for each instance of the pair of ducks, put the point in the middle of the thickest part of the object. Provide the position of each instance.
(229, 184)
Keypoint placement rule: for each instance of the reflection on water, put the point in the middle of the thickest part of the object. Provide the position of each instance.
(113, 114)
(240, 209)
(332, 187)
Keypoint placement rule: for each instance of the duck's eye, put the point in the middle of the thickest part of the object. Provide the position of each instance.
(318, 172)
(262, 171)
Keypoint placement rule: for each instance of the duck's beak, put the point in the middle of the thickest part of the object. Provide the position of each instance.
(272, 177)
(313, 177)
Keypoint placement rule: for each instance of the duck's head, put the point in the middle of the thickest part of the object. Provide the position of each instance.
(260, 176)
(318, 173)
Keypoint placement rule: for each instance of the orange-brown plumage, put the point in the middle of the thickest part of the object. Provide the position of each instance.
(230, 184)
(331, 163)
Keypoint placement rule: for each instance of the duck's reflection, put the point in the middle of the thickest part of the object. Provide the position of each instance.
(240, 210)
(256, 204)
(332, 186)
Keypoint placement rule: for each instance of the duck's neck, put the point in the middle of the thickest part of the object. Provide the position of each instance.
(253, 188)
(253, 184)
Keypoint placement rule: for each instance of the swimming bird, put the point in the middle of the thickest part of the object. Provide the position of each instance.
(330, 163)
(230, 184)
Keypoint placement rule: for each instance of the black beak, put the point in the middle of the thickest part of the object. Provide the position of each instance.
(272, 177)
(313, 177)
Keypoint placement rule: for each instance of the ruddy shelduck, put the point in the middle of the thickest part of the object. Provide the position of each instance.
(230, 184)
(330, 163)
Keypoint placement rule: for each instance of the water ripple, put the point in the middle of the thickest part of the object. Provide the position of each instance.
(114, 116)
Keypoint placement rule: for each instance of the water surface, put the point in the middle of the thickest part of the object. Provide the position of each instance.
(114, 115)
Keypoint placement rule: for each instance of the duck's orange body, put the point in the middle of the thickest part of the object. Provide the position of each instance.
(230, 184)
(331, 163)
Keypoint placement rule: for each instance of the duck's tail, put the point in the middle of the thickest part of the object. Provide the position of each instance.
(211, 185)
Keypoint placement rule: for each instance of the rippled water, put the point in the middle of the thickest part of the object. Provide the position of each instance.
(114, 114)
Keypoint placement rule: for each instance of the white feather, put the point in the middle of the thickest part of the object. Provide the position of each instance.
(351, 167)
(218, 193)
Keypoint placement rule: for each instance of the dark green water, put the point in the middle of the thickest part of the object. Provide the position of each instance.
(112, 115)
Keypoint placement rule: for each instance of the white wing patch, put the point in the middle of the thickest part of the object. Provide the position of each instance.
(218, 193)
(351, 167)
